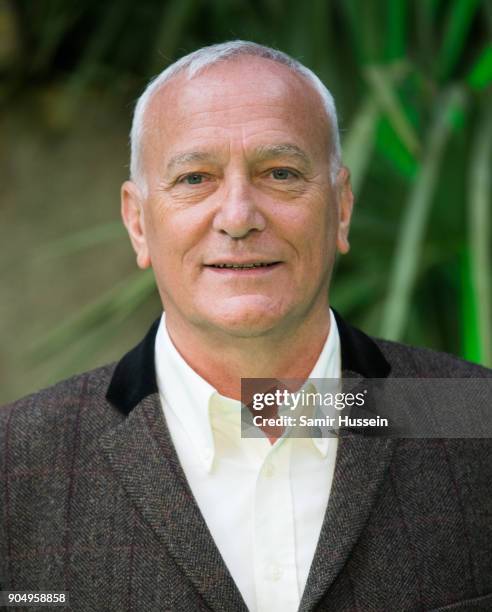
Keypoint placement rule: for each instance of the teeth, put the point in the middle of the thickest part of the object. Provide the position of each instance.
(253, 265)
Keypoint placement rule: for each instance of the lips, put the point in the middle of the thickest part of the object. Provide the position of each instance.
(243, 266)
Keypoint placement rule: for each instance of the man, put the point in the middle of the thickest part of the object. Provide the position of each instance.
(131, 487)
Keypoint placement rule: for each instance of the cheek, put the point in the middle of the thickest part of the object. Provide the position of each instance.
(312, 231)
(160, 239)
(174, 234)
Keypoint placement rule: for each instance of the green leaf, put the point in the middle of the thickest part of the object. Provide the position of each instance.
(348, 293)
(396, 29)
(481, 73)
(117, 303)
(459, 20)
(355, 26)
(471, 345)
(383, 88)
(410, 238)
(480, 234)
(359, 142)
(80, 241)
(391, 147)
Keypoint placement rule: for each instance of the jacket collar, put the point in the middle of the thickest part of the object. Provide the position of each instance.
(360, 353)
(134, 377)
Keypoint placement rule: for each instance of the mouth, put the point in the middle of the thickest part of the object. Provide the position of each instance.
(244, 268)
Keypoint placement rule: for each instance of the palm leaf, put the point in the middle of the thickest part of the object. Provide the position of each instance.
(459, 20)
(480, 236)
(384, 90)
(116, 304)
(412, 230)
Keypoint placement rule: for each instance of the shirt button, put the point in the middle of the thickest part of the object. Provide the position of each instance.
(275, 573)
(269, 470)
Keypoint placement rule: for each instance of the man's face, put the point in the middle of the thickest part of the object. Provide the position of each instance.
(237, 164)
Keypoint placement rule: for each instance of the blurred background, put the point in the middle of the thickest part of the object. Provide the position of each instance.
(412, 81)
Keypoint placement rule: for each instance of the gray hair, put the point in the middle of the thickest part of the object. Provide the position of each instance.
(197, 61)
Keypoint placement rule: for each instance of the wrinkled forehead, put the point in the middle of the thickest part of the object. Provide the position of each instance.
(235, 91)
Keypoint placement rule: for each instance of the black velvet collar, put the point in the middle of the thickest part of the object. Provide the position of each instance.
(134, 377)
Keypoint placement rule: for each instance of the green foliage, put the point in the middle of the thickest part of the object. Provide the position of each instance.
(481, 74)
(412, 82)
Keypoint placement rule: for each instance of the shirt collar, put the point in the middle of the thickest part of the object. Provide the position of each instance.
(191, 397)
(134, 378)
(186, 393)
(327, 366)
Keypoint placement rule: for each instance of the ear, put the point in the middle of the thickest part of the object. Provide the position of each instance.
(132, 212)
(345, 201)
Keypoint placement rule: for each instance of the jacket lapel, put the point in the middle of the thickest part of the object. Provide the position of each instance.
(141, 454)
(360, 469)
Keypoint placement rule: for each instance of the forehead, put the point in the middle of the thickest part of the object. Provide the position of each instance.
(244, 96)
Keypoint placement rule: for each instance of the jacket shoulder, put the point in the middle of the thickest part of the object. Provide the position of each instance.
(64, 392)
(35, 419)
(406, 360)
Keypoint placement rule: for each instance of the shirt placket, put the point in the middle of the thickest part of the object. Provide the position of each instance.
(274, 534)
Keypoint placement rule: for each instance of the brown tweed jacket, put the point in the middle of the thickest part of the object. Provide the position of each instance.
(94, 501)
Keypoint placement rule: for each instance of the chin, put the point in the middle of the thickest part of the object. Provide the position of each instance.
(249, 318)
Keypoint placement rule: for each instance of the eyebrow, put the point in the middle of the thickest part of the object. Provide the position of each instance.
(186, 158)
(260, 153)
(266, 152)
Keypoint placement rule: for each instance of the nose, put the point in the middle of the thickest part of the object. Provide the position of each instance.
(238, 213)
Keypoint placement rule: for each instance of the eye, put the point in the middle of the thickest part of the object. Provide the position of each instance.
(194, 178)
(282, 174)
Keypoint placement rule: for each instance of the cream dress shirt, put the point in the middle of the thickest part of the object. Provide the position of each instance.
(263, 504)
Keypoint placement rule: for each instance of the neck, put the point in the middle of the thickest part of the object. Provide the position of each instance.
(223, 359)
